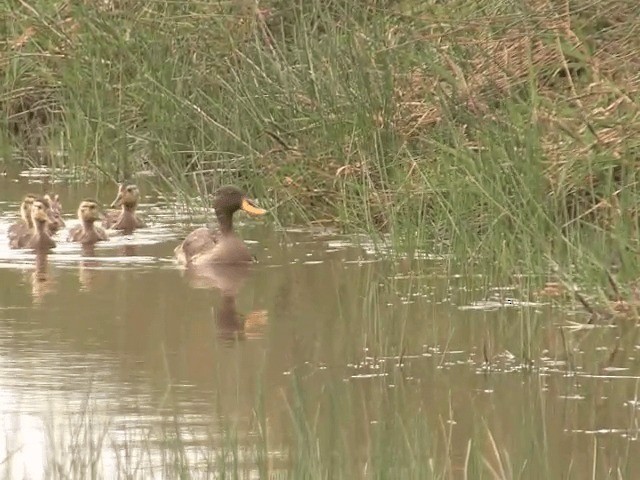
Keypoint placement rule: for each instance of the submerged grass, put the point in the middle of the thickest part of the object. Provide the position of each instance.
(380, 428)
(388, 382)
(501, 131)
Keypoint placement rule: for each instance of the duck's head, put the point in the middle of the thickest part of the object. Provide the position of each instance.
(55, 210)
(128, 196)
(54, 203)
(89, 211)
(229, 199)
(39, 211)
(25, 207)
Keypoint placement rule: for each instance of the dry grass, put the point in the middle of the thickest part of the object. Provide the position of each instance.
(569, 70)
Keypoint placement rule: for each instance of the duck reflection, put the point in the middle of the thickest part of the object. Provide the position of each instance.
(229, 279)
(41, 282)
(127, 250)
(86, 269)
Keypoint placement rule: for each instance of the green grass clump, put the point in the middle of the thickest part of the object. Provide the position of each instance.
(502, 130)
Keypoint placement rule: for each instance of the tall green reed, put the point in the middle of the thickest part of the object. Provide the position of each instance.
(351, 112)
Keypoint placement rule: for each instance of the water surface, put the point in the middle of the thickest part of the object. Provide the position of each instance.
(328, 359)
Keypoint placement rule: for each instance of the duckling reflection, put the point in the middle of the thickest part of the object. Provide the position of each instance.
(229, 280)
(86, 269)
(127, 250)
(41, 283)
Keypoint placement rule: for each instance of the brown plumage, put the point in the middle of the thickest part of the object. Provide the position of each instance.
(54, 212)
(204, 246)
(38, 237)
(87, 233)
(24, 225)
(200, 240)
(125, 219)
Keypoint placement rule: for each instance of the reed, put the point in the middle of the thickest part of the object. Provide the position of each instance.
(503, 132)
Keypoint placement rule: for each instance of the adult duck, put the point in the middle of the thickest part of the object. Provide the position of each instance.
(204, 246)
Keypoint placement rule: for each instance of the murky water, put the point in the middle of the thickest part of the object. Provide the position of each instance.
(326, 359)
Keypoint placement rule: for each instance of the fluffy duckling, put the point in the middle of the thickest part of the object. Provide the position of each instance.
(126, 219)
(87, 233)
(24, 225)
(38, 238)
(204, 246)
(55, 212)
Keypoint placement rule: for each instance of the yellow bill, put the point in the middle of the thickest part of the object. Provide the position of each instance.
(251, 208)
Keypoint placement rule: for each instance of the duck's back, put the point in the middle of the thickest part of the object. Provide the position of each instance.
(40, 242)
(110, 218)
(127, 221)
(20, 240)
(78, 234)
(56, 222)
(229, 249)
(200, 240)
(17, 230)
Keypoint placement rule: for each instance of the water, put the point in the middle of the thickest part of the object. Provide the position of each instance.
(350, 363)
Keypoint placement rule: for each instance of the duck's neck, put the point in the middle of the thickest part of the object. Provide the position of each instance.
(41, 227)
(87, 225)
(129, 208)
(225, 222)
(27, 220)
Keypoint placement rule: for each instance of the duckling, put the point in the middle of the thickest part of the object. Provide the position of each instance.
(24, 225)
(204, 246)
(55, 212)
(38, 238)
(126, 219)
(87, 233)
